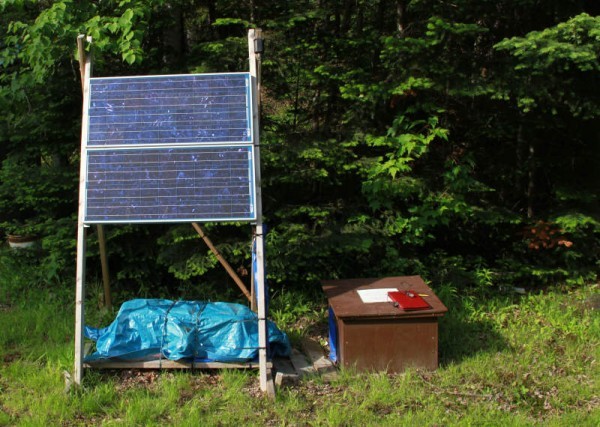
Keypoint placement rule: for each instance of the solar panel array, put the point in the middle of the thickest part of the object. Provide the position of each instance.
(170, 149)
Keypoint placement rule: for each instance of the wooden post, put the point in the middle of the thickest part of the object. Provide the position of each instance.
(253, 35)
(257, 62)
(99, 227)
(222, 260)
(252, 287)
(80, 270)
(104, 265)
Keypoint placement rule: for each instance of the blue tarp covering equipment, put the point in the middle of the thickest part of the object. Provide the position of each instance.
(151, 329)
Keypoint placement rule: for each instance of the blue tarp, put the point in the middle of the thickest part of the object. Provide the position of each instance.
(150, 329)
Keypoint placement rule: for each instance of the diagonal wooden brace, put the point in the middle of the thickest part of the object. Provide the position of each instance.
(223, 261)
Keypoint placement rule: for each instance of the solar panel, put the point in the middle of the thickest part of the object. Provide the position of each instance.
(182, 109)
(170, 184)
(169, 149)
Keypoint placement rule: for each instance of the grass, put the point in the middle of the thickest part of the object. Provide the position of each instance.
(506, 360)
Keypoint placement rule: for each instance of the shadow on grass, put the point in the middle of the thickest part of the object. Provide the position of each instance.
(461, 336)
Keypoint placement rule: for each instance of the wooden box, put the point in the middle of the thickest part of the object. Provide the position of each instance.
(379, 336)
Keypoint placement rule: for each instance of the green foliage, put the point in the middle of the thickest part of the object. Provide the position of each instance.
(413, 137)
(43, 44)
(568, 52)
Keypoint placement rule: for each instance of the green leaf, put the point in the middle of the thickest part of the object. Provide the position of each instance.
(129, 57)
(125, 19)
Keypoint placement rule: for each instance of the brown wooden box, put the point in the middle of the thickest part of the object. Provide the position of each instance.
(379, 336)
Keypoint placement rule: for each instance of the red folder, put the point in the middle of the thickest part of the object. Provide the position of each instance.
(408, 300)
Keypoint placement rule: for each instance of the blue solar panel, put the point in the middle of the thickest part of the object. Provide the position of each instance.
(192, 109)
(169, 149)
(170, 184)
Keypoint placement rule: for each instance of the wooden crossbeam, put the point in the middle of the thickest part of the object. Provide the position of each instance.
(223, 261)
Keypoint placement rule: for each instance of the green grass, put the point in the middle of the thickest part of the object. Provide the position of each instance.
(505, 361)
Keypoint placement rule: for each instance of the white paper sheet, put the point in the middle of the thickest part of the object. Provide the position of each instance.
(375, 295)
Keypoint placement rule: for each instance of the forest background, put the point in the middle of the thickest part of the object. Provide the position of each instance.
(455, 140)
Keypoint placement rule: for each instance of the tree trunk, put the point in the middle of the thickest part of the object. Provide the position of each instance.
(174, 37)
(401, 17)
(530, 180)
(252, 6)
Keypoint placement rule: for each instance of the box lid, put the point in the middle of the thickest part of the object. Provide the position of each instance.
(346, 302)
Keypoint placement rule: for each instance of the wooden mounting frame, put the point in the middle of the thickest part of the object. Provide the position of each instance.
(266, 381)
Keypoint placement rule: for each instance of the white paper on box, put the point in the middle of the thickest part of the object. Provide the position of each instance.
(375, 295)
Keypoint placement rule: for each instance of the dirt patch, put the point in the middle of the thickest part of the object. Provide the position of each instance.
(9, 358)
(134, 378)
(592, 302)
(149, 378)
